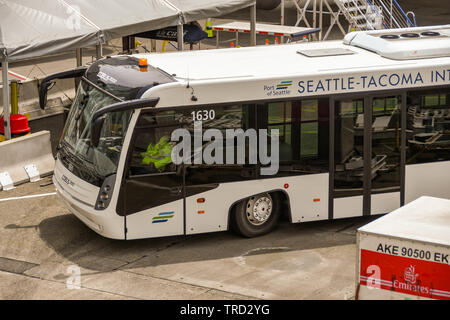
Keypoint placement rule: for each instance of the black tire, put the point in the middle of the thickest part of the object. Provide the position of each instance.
(241, 222)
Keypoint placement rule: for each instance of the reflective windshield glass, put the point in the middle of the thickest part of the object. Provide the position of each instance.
(100, 161)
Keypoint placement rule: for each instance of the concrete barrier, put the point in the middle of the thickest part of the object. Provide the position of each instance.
(33, 149)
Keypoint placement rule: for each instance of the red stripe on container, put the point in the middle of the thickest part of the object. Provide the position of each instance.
(401, 273)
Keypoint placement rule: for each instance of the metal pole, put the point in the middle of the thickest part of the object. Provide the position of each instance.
(314, 13)
(180, 37)
(253, 25)
(403, 118)
(99, 51)
(217, 39)
(126, 44)
(282, 18)
(320, 20)
(367, 155)
(6, 98)
(132, 44)
(79, 56)
(14, 97)
(390, 18)
(315, 17)
(79, 61)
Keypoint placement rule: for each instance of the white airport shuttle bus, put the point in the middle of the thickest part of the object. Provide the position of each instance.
(363, 123)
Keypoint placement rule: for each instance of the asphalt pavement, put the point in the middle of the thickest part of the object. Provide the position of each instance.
(43, 249)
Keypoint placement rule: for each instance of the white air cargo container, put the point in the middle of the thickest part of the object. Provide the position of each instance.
(406, 253)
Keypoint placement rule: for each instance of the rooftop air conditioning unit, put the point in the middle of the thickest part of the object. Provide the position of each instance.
(404, 44)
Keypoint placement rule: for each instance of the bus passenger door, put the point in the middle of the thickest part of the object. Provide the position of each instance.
(213, 186)
(347, 167)
(387, 136)
(365, 168)
(151, 197)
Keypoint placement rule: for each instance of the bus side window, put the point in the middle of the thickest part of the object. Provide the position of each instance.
(303, 131)
(152, 152)
(225, 119)
(428, 126)
(152, 147)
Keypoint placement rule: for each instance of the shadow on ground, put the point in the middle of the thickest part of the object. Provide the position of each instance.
(70, 238)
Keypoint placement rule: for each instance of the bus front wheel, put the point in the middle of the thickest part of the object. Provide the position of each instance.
(256, 215)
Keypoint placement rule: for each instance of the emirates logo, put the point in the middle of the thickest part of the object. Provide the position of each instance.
(410, 275)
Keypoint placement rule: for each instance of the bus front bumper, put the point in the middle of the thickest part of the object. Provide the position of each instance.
(92, 220)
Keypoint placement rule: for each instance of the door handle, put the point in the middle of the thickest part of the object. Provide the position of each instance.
(175, 191)
(248, 173)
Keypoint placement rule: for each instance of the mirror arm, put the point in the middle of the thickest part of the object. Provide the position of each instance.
(98, 117)
(47, 82)
(125, 106)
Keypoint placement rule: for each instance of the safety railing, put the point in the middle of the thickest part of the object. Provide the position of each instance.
(375, 14)
(393, 14)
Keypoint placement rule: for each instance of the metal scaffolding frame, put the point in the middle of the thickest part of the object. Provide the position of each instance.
(359, 14)
(319, 8)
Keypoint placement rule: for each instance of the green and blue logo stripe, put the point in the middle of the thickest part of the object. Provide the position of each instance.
(163, 217)
(284, 85)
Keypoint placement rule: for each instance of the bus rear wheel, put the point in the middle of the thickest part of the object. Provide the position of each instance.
(256, 215)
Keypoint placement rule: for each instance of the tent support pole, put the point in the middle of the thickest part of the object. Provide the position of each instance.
(99, 51)
(253, 25)
(282, 18)
(79, 63)
(180, 39)
(125, 44)
(79, 56)
(6, 112)
(128, 44)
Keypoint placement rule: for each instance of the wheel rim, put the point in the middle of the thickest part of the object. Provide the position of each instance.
(259, 209)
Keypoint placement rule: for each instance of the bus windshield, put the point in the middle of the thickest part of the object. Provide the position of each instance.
(102, 160)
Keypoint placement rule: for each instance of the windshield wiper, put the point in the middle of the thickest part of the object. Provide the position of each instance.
(78, 160)
(83, 105)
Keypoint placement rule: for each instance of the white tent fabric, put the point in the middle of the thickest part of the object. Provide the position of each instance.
(31, 28)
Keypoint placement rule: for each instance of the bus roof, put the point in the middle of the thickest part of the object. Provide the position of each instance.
(363, 62)
(307, 58)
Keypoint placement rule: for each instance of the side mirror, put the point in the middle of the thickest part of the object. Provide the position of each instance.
(96, 131)
(47, 82)
(43, 89)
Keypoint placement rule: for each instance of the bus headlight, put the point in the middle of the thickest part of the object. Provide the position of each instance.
(104, 195)
(100, 205)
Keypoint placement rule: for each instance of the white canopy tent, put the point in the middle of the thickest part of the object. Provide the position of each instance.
(33, 28)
